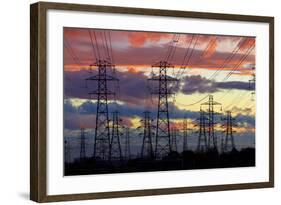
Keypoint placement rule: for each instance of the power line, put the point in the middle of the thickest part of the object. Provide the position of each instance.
(97, 45)
(240, 62)
(236, 99)
(189, 57)
(110, 52)
(210, 44)
(103, 45)
(71, 52)
(175, 47)
(172, 47)
(75, 59)
(227, 60)
(248, 100)
(169, 48)
(235, 68)
(183, 65)
(182, 104)
(110, 47)
(187, 51)
(107, 47)
(92, 44)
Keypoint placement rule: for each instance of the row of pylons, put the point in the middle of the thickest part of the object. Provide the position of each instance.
(207, 140)
(107, 144)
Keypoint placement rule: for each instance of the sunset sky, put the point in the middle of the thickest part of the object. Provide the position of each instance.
(218, 65)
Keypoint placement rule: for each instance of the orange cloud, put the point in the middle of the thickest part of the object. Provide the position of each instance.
(132, 70)
(76, 67)
(75, 34)
(139, 56)
(247, 43)
(137, 39)
(211, 48)
(176, 125)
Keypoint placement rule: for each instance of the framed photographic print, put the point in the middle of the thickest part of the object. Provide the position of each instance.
(134, 102)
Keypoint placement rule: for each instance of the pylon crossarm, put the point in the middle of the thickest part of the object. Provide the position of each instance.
(162, 64)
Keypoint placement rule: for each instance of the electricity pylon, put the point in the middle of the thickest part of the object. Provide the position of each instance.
(82, 144)
(212, 139)
(252, 83)
(163, 145)
(202, 145)
(67, 157)
(174, 146)
(127, 150)
(102, 133)
(228, 142)
(184, 130)
(115, 146)
(147, 149)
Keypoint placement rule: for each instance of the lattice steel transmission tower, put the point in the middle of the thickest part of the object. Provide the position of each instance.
(202, 145)
(174, 146)
(228, 142)
(67, 157)
(127, 149)
(163, 145)
(212, 139)
(184, 132)
(102, 133)
(147, 149)
(82, 144)
(252, 83)
(115, 145)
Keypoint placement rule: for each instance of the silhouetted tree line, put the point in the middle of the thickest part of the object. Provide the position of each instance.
(174, 161)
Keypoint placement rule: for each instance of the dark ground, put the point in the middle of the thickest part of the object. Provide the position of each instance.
(174, 161)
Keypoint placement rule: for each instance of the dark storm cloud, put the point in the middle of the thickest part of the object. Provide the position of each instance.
(75, 84)
(245, 119)
(196, 83)
(234, 85)
(84, 115)
(74, 121)
(89, 108)
(133, 86)
(177, 113)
